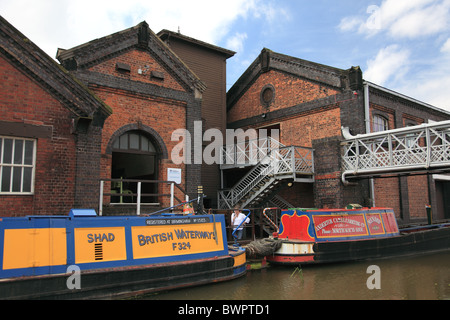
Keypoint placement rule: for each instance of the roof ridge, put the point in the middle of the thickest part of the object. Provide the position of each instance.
(137, 36)
(167, 34)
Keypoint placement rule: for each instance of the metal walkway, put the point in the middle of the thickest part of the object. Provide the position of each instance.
(418, 148)
(273, 165)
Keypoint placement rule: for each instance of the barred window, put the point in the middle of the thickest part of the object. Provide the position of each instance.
(17, 164)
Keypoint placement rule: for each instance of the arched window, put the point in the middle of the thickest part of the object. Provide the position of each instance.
(134, 141)
(379, 123)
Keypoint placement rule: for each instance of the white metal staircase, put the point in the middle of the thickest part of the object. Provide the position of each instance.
(274, 164)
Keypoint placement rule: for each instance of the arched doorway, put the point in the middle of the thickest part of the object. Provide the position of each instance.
(134, 156)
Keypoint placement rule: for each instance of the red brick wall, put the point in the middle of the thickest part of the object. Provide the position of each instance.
(22, 100)
(137, 59)
(162, 116)
(302, 130)
(414, 190)
(418, 196)
(289, 91)
(387, 194)
(300, 195)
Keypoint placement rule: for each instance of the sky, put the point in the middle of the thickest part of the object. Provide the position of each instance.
(403, 45)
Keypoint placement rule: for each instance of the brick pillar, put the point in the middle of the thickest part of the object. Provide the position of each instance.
(88, 153)
(193, 171)
(328, 189)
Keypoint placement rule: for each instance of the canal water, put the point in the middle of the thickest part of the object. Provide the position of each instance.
(410, 278)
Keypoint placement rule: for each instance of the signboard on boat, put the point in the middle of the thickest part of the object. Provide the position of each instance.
(99, 244)
(168, 240)
(328, 226)
(336, 225)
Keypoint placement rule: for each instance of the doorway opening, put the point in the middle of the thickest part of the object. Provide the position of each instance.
(134, 157)
(443, 199)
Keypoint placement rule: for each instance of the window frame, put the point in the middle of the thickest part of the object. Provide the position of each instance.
(21, 165)
(376, 125)
(126, 138)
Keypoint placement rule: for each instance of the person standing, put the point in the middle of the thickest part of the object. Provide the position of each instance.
(236, 218)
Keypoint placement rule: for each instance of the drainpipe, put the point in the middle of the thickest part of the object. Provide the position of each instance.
(367, 123)
(366, 107)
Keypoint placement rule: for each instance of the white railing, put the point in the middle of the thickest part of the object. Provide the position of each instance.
(119, 195)
(247, 153)
(279, 163)
(406, 149)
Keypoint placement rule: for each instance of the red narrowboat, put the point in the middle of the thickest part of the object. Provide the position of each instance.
(325, 236)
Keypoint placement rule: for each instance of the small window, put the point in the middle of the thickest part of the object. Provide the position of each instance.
(410, 139)
(123, 67)
(156, 75)
(379, 123)
(267, 95)
(17, 164)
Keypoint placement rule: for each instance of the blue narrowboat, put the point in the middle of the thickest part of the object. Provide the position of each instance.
(83, 255)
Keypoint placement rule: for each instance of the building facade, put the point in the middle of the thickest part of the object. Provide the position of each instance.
(50, 132)
(107, 113)
(152, 94)
(209, 63)
(309, 103)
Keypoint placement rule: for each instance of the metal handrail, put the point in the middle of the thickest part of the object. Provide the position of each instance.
(405, 149)
(270, 220)
(248, 152)
(139, 194)
(279, 162)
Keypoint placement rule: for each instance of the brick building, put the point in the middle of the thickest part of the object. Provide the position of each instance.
(152, 93)
(107, 112)
(209, 63)
(50, 132)
(309, 103)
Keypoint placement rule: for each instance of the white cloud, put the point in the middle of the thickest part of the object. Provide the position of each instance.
(350, 23)
(431, 82)
(67, 23)
(401, 18)
(391, 61)
(418, 63)
(422, 21)
(446, 47)
(236, 42)
(271, 12)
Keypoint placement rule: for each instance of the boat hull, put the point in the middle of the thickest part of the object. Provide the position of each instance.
(126, 281)
(405, 244)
